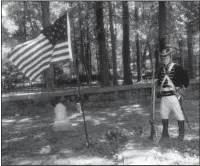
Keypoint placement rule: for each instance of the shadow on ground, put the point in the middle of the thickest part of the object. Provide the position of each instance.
(30, 140)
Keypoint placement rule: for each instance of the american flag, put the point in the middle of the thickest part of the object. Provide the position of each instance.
(52, 45)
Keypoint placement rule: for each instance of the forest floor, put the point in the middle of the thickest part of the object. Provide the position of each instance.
(28, 140)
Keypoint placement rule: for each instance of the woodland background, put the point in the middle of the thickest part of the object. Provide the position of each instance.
(111, 41)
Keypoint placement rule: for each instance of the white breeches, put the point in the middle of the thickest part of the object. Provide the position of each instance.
(168, 104)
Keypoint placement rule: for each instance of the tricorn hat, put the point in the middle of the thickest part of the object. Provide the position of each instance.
(165, 52)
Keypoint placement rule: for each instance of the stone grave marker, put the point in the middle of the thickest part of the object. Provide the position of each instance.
(61, 121)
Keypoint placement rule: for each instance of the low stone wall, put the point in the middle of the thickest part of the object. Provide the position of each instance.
(110, 99)
(132, 95)
(92, 97)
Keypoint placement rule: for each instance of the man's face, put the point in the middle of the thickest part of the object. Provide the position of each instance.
(166, 60)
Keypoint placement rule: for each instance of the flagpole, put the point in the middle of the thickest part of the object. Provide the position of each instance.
(78, 82)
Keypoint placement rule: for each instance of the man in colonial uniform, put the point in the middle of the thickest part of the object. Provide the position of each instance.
(172, 80)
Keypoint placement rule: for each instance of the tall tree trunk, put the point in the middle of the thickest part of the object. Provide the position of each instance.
(25, 16)
(88, 50)
(162, 29)
(126, 49)
(81, 40)
(107, 48)
(150, 54)
(113, 42)
(82, 52)
(144, 56)
(88, 56)
(83, 46)
(190, 50)
(138, 46)
(155, 65)
(180, 43)
(103, 54)
(49, 73)
(45, 13)
(76, 62)
(98, 63)
(198, 65)
(25, 20)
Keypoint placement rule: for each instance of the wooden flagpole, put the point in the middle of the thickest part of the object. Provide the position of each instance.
(78, 82)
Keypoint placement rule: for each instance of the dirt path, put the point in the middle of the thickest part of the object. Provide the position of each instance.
(29, 140)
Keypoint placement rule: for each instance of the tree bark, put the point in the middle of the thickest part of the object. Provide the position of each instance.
(113, 42)
(190, 50)
(98, 63)
(48, 73)
(83, 47)
(144, 56)
(45, 13)
(88, 56)
(150, 54)
(180, 43)
(88, 50)
(126, 49)
(155, 65)
(162, 29)
(75, 69)
(25, 15)
(138, 46)
(103, 54)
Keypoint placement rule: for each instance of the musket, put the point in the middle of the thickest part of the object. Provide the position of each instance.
(184, 114)
(180, 95)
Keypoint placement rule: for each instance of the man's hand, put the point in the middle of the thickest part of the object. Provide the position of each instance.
(179, 92)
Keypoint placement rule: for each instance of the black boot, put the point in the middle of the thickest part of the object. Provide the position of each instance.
(181, 130)
(165, 134)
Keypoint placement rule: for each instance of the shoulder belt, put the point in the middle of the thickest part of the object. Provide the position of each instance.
(166, 77)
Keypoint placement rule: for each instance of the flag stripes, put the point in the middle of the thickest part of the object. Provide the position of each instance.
(34, 59)
(22, 48)
(34, 56)
(39, 69)
(30, 52)
(37, 62)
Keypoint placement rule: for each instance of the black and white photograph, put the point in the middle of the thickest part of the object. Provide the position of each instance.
(100, 82)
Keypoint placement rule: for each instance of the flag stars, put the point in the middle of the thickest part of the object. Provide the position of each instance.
(57, 31)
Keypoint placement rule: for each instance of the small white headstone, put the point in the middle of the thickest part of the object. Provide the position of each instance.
(78, 106)
(61, 121)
